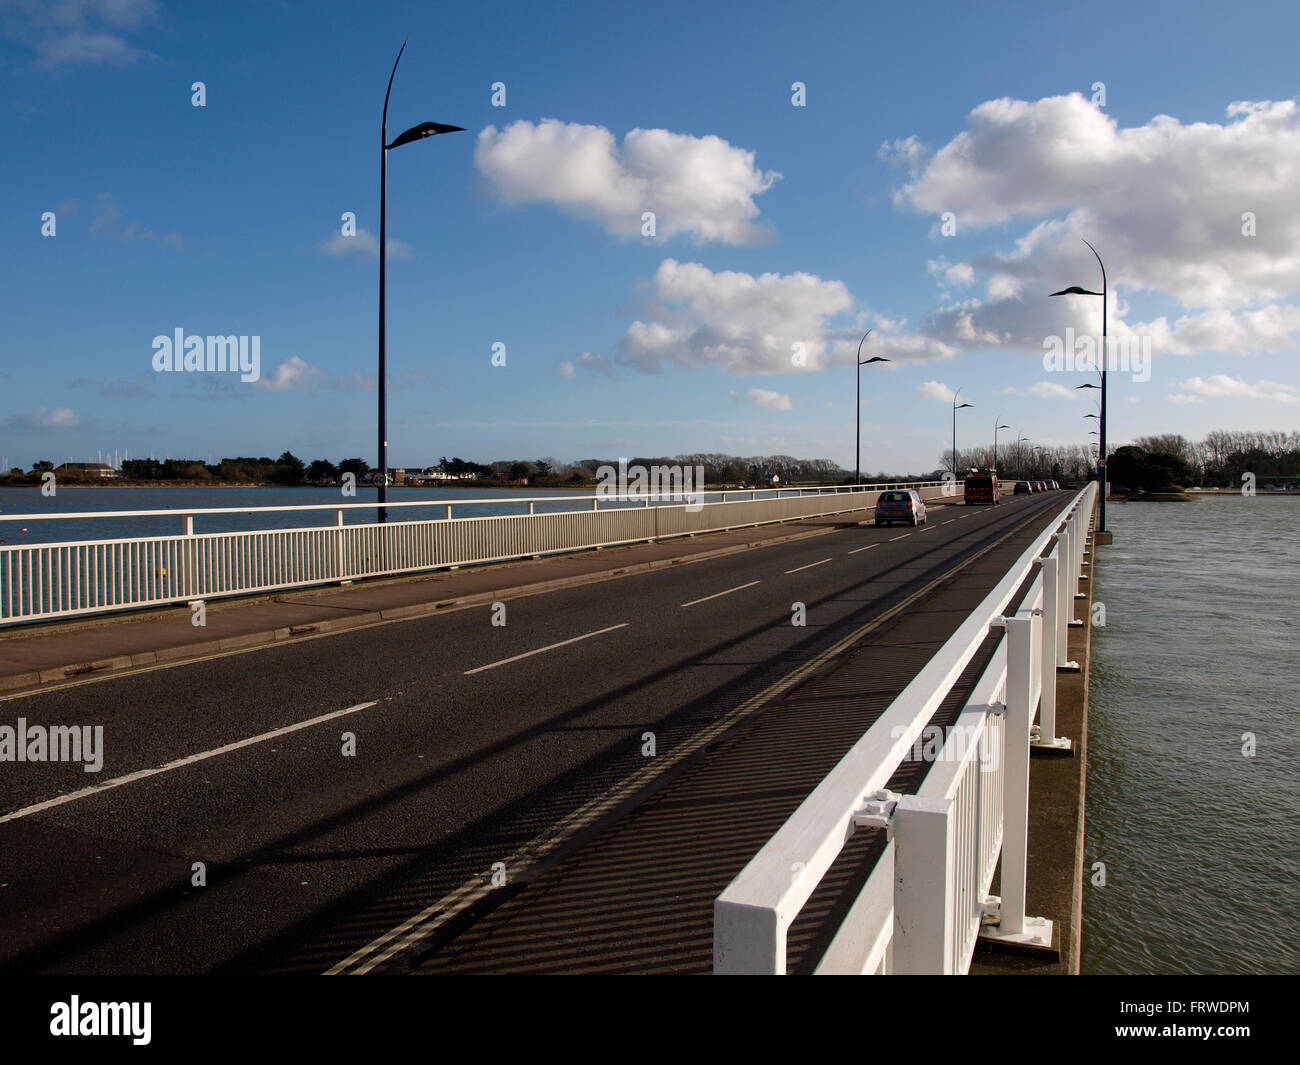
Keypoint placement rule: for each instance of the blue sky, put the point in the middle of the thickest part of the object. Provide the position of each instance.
(776, 225)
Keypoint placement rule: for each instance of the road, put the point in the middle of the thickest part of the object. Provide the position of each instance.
(471, 739)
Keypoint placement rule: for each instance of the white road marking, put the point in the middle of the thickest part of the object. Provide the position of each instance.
(949, 521)
(715, 595)
(141, 774)
(549, 647)
(903, 537)
(810, 565)
(867, 548)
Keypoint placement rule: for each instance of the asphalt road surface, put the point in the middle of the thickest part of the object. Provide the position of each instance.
(284, 806)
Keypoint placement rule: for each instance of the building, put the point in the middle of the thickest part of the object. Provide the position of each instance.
(87, 469)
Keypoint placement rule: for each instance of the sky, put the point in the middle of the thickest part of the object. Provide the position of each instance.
(664, 230)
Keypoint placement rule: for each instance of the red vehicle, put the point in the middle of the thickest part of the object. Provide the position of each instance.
(982, 487)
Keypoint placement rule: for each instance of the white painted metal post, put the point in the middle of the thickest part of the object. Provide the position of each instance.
(338, 542)
(189, 524)
(1015, 796)
(1050, 635)
(747, 940)
(1064, 544)
(924, 853)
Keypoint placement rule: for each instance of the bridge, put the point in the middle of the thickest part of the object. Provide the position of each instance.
(750, 733)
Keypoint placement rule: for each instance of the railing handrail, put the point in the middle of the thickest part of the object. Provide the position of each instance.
(764, 897)
(182, 511)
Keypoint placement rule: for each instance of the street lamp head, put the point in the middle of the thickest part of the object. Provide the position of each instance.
(874, 358)
(424, 129)
(1004, 427)
(1075, 290)
(960, 405)
(1087, 386)
(1092, 415)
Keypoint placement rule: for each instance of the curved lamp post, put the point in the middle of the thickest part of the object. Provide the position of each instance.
(415, 133)
(857, 435)
(996, 427)
(1075, 290)
(955, 409)
(1020, 461)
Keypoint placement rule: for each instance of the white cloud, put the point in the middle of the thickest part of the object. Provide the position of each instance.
(701, 187)
(51, 418)
(1163, 201)
(69, 33)
(294, 374)
(1051, 390)
(108, 223)
(365, 244)
(936, 390)
(586, 361)
(1223, 386)
(765, 398)
(734, 321)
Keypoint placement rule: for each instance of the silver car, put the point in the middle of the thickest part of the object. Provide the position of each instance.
(902, 505)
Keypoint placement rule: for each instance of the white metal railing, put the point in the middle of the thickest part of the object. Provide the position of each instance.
(922, 908)
(50, 580)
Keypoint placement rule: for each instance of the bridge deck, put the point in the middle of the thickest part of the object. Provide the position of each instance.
(639, 898)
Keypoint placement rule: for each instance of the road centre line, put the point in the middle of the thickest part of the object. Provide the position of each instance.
(810, 565)
(903, 537)
(141, 774)
(867, 548)
(716, 595)
(548, 647)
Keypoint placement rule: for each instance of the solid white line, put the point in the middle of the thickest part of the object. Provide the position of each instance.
(716, 594)
(867, 548)
(549, 647)
(117, 782)
(903, 537)
(809, 566)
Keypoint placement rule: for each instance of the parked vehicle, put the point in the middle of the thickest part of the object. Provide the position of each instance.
(982, 488)
(1023, 488)
(900, 505)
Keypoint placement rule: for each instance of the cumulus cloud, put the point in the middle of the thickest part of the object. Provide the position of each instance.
(48, 418)
(936, 390)
(1164, 200)
(734, 321)
(364, 244)
(763, 397)
(587, 361)
(71, 33)
(1223, 386)
(700, 187)
(108, 222)
(294, 374)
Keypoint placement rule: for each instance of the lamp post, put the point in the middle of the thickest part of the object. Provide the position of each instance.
(415, 133)
(857, 434)
(955, 409)
(1020, 461)
(1101, 461)
(996, 427)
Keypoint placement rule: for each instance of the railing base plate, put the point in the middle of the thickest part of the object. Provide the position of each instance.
(1068, 667)
(1036, 938)
(1059, 746)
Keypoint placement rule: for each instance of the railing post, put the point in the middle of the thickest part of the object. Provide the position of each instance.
(338, 542)
(1023, 644)
(747, 940)
(924, 857)
(189, 524)
(1047, 737)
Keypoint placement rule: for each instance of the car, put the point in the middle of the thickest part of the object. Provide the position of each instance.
(1056, 486)
(900, 505)
(1039, 486)
(1023, 488)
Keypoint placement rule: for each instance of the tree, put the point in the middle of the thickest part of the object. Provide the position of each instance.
(322, 470)
(44, 464)
(357, 467)
(289, 469)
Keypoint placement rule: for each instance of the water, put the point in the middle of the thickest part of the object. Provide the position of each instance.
(1201, 844)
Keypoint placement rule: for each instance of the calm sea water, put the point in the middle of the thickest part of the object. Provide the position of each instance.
(1201, 843)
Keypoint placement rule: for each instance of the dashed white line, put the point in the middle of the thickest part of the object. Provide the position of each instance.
(867, 548)
(903, 537)
(810, 565)
(141, 774)
(949, 521)
(548, 647)
(715, 595)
